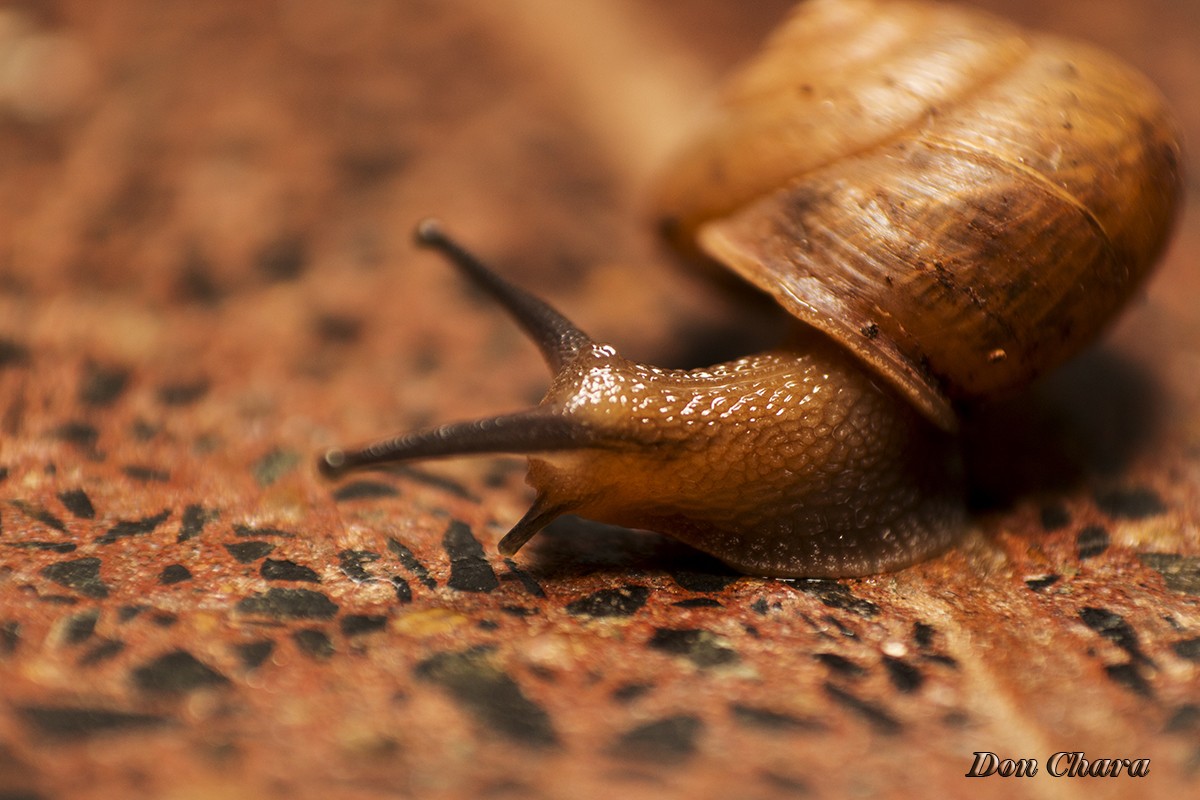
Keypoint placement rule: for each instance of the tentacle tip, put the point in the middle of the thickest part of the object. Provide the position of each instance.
(332, 463)
(429, 232)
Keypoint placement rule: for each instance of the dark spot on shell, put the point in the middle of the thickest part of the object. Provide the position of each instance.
(128, 612)
(253, 654)
(469, 568)
(195, 283)
(284, 259)
(410, 563)
(195, 517)
(1180, 573)
(10, 637)
(1135, 503)
(1091, 541)
(314, 643)
(628, 692)
(878, 718)
(841, 665)
(491, 696)
(283, 570)
(701, 647)
(768, 719)
(1185, 719)
(668, 740)
(137, 527)
(923, 634)
(247, 552)
(289, 604)
(174, 573)
(175, 673)
(616, 602)
(403, 590)
(78, 503)
(182, 394)
(81, 574)
(337, 328)
(100, 653)
(69, 724)
(358, 624)
(904, 676)
(80, 434)
(364, 490)
(1113, 627)
(163, 619)
(102, 385)
(1188, 648)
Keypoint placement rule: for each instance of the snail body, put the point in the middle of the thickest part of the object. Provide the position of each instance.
(949, 205)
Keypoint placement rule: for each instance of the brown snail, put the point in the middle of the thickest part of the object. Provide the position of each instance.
(951, 205)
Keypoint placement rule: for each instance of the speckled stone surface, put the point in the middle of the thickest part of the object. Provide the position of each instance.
(206, 277)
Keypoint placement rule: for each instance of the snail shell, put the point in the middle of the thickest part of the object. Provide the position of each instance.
(961, 203)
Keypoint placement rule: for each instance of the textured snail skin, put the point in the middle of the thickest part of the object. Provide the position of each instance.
(952, 206)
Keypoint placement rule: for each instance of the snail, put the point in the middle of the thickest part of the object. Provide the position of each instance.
(949, 205)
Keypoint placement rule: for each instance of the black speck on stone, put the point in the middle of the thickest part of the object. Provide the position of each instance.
(126, 613)
(100, 653)
(528, 581)
(41, 515)
(837, 595)
(70, 724)
(923, 634)
(282, 570)
(878, 718)
(163, 619)
(760, 606)
(195, 517)
(102, 384)
(403, 590)
(274, 465)
(136, 527)
(289, 604)
(410, 563)
(1180, 573)
(1044, 582)
(356, 624)
(469, 568)
(1091, 541)
(10, 637)
(247, 531)
(841, 665)
(698, 602)
(1112, 626)
(701, 647)
(490, 695)
(248, 552)
(176, 672)
(53, 547)
(314, 643)
(364, 490)
(146, 474)
(80, 574)
(12, 354)
(1132, 503)
(1055, 516)
(664, 741)
(904, 676)
(702, 581)
(351, 562)
(622, 602)
(1185, 719)
(1129, 676)
(253, 654)
(767, 719)
(174, 573)
(182, 394)
(628, 692)
(283, 259)
(78, 503)
(80, 434)
(1188, 648)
